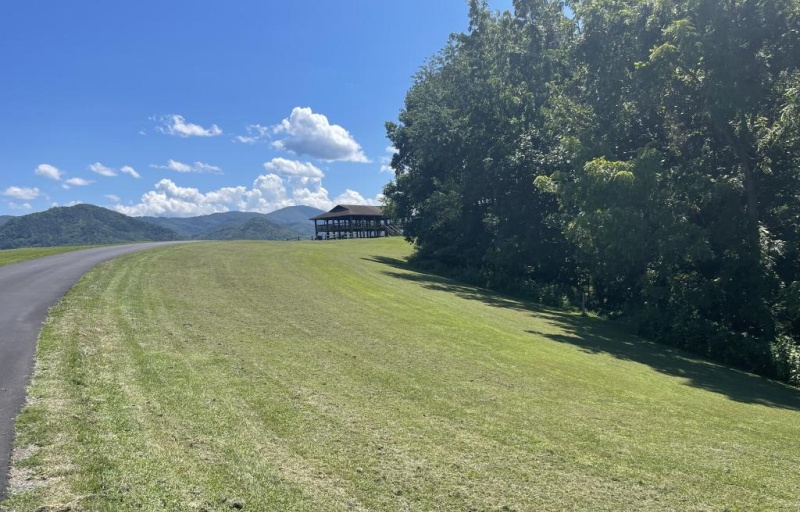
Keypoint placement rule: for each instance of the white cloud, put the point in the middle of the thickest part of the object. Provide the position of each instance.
(25, 194)
(175, 124)
(102, 170)
(77, 182)
(174, 165)
(311, 134)
(268, 192)
(204, 167)
(387, 160)
(48, 171)
(127, 169)
(352, 197)
(255, 134)
(23, 206)
(171, 200)
(293, 168)
(113, 198)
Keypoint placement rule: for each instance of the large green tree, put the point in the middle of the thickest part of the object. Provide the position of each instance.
(644, 152)
(705, 84)
(475, 132)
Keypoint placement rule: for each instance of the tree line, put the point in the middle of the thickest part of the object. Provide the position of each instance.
(640, 158)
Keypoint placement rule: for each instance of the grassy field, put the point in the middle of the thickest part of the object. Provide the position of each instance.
(9, 256)
(327, 376)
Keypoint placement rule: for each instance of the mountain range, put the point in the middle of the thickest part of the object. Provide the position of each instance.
(86, 224)
(294, 218)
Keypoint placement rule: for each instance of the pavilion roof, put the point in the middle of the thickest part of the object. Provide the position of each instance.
(351, 210)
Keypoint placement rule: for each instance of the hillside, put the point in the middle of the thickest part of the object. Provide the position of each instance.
(294, 218)
(82, 224)
(330, 376)
(198, 227)
(258, 228)
(5, 218)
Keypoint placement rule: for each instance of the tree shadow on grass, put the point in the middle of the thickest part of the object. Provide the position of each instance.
(466, 291)
(594, 336)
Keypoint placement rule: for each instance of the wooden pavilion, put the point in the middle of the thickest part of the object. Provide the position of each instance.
(352, 221)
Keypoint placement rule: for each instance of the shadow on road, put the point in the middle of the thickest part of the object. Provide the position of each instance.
(594, 336)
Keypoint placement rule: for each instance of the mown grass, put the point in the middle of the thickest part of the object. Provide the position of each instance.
(327, 376)
(9, 256)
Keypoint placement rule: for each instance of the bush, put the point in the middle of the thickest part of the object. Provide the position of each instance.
(786, 359)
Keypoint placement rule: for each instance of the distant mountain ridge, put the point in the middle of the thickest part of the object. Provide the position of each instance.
(196, 227)
(293, 218)
(83, 224)
(257, 228)
(87, 224)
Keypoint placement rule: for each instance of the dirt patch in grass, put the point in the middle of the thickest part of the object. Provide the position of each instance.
(21, 478)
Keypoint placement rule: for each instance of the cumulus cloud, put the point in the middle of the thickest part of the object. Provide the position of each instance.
(171, 200)
(127, 169)
(48, 171)
(293, 168)
(255, 134)
(312, 135)
(352, 197)
(16, 206)
(102, 170)
(200, 167)
(175, 124)
(268, 192)
(25, 194)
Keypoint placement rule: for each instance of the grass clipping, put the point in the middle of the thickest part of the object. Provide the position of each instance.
(327, 376)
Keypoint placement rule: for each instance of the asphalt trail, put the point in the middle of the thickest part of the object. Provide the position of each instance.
(27, 291)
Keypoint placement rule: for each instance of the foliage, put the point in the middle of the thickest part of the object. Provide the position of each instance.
(642, 155)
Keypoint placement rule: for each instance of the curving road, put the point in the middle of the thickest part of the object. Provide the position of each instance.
(27, 291)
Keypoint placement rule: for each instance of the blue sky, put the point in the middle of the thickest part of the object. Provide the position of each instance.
(181, 108)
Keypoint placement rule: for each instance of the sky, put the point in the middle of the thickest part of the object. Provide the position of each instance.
(179, 108)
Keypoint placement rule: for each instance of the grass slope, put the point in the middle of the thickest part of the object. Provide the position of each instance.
(9, 256)
(326, 376)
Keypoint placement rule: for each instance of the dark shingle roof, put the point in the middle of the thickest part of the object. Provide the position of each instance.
(349, 210)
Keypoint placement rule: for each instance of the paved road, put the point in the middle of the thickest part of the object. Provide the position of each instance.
(27, 291)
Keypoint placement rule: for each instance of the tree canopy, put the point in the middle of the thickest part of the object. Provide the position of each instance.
(639, 157)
